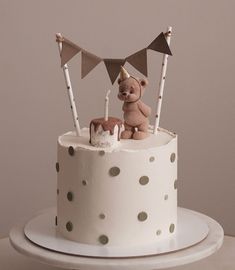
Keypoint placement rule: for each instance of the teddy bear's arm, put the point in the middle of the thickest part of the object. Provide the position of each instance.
(146, 110)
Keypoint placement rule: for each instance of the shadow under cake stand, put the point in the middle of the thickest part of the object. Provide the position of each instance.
(29, 239)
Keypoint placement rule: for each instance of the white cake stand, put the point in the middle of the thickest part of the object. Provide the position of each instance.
(204, 248)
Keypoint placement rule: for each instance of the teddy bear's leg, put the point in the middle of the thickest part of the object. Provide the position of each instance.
(128, 132)
(142, 132)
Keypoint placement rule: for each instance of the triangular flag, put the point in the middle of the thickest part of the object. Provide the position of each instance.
(69, 49)
(113, 67)
(89, 61)
(139, 61)
(160, 45)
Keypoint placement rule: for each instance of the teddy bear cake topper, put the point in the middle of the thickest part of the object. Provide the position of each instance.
(136, 113)
(107, 131)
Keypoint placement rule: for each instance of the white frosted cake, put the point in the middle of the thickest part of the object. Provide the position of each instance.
(117, 196)
(116, 181)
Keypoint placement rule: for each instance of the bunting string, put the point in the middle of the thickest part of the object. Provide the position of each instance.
(89, 60)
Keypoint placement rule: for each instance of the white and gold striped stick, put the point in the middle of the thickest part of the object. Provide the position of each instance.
(162, 82)
(69, 88)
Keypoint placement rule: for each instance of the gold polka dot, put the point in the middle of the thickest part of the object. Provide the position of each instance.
(158, 232)
(102, 216)
(175, 184)
(144, 180)
(114, 171)
(69, 226)
(57, 166)
(172, 228)
(103, 239)
(151, 159)
(101, 153)
(166, 197)
(84, 182)
(70, 196)
(71, 151)
(172, 158)
(142, 216)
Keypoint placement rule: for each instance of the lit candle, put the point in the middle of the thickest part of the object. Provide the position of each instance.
(106, 109)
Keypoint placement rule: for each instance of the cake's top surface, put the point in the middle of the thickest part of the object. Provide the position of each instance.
(162, 138)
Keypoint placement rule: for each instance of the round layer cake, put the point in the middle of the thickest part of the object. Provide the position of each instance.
(117, 196)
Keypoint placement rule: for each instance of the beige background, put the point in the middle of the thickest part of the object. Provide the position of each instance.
(199, 99)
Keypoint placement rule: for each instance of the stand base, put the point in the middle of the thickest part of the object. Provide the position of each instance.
(191, 229)
(196, 252)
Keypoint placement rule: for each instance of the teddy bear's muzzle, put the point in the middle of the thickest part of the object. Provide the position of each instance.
(123, 95)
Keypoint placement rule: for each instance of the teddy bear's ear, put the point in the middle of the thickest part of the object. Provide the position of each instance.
(119, 81)
(143, 82)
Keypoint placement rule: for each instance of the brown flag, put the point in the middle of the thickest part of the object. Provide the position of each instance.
(89, 61)
(160, 45)
(113, 67)
(139, 61)
(69, 49)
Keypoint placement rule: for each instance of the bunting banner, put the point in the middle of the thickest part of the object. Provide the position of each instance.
(89, 61)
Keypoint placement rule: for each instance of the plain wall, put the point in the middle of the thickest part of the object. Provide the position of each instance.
(198, 102)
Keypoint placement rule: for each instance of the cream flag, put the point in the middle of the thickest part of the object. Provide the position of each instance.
(69, 49)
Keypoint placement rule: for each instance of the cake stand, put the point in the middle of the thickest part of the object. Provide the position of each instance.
(204, 248)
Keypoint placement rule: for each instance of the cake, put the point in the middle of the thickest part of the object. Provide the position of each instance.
(117, 196)
(115, 191)
(105, 133)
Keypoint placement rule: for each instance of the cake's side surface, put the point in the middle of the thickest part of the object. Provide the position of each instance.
(126, 196)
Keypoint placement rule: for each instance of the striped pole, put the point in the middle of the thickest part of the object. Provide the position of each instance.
(162, 82)
(69, 88)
